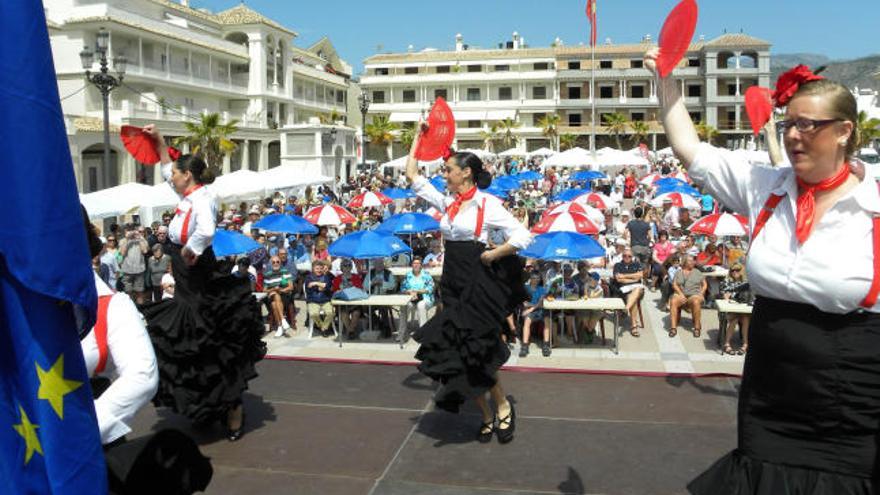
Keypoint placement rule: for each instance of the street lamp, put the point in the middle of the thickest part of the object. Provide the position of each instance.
(364, 103)
(103, 80)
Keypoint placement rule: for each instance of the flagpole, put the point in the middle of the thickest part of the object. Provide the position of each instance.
(593, 98)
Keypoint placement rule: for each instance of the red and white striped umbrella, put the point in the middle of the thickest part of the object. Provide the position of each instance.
(681, 175)
(565, 222)
(721, 224)
(329, 214)
(596, 200)
(369, 199)
(678, 199)
(593, 214)
(435, 213)
(650, 179)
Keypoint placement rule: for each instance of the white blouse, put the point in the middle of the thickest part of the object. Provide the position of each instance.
(463, 227)
(131, 363)
(201, 226)
(834, 267)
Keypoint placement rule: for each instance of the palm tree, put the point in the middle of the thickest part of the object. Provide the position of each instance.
(706, 132)
(489, 135)
(869, 129)
(381, 132)
(640, 130)
(617, 124)
(567, 141)
(549, 125)
(506, 128)
(209, 138)
(407, 136)
(331, 118)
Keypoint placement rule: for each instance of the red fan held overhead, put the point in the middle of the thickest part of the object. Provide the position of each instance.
(141, 145)
(434, 143)
(759, 106)
(676, 35)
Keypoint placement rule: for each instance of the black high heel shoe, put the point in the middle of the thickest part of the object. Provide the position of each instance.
(486, 436)
(505, 435)
(236, 434)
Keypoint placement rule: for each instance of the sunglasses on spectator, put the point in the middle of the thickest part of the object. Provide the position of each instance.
(111, 239)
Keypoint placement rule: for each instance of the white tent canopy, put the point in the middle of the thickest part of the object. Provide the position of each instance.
(162, 197)
(574, 157)
(482, 154)
(542, 152)
(240, 185)
(513, 152)
(400, 163)
(615, 158)
(115, 201)
(288, 177)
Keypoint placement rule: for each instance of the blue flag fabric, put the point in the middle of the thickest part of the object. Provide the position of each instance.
(49, 440)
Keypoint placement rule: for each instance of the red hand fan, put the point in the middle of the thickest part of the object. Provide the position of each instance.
(139, 144)
(676, 35)
(759, 106)
(435, 142)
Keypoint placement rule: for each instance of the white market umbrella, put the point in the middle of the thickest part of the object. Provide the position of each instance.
(721, 224)
(596, 200)
(115, 201)
(240, 185)
(542, 152)
(329, 214)
(593, 214)
(512, 152)
(565, 222)
(574, 157)
(678, 199)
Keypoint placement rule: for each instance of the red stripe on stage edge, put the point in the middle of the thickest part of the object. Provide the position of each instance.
(515, 369)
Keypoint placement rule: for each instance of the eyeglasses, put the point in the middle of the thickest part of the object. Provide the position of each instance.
(803, 125)
(735, 270)
(110, 239)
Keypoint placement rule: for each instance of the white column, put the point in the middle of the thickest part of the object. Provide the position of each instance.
(245, 155)
(257, 68)
(227, 164)
(264, 156)
(167, 60)
(738, 87)
(141, 54)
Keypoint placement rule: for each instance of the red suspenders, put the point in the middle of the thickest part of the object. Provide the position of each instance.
(479, 229)
(871, 299)
(101, 332)
(184, 231)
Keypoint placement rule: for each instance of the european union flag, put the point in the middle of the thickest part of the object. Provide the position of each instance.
(49, 441)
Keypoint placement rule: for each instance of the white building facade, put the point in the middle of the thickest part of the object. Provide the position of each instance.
(183, 62)
(523, 83)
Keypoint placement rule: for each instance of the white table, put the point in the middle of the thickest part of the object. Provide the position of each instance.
(390, 300)
(600, 304)
(726, 306)
(401, 271)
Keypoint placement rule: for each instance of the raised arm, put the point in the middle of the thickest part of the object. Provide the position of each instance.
(412, 165)
(773, 146)
(680, 130)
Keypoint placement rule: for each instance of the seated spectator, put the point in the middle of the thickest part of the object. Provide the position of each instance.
(278, 285)
(420, 287)
(380, 280)
(591, 289)
(320, 252)
(435, 254)
(628, 277)
(565, 288)
(243, 268)
(736, 252)
(661, 251)
(319, 289)
(709, 256)
(736, 288)
(689, 289)
(670, 267)
(346, 279)
(684, 218)
(534, 312)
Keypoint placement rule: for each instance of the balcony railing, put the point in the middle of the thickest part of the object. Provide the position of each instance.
(236, 84)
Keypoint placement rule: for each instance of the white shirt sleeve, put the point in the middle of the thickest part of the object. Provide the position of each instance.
(496, 216)
(731, 179)
(131, 352)
(425, 190)
(203, 217)
(166, 171)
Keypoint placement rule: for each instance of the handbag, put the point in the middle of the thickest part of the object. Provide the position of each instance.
(351, 294)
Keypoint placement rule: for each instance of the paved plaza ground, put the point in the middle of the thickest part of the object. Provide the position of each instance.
(332, 428)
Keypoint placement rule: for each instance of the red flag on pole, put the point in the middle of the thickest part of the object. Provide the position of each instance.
(591, 16)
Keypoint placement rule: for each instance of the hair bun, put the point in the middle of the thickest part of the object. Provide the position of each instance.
(208, 176)
(484, 179)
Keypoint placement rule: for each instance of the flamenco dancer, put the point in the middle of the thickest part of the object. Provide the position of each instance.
(461, 345)
(808, 419)
(207, 338)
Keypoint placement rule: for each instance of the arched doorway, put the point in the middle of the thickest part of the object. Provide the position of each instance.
(274, 154)
(96, 175)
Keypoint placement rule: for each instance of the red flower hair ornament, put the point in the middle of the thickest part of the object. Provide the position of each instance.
(789, 83)
(448, 154)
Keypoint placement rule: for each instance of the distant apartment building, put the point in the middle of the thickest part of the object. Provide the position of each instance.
(291, 103)
(515, 81)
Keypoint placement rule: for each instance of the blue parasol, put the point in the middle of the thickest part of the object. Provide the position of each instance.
(368, 244)
(563, 246)
(678, 188)
(529, 175)
(506, 182)
(408, 223)
(571, 194)
(230, 243)
(496, 191)
(438, 182)
(288, 224)
(587, 175)
(398, 193)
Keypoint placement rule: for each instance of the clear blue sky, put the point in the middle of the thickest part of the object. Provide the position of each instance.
(836, 28)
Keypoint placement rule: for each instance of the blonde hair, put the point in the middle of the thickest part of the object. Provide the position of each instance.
(841, 103)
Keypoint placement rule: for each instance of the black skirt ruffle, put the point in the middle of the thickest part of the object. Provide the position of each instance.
(808, 419)
(207, 339)
(461, 345)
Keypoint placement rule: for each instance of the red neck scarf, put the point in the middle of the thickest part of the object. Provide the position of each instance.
(452, 209)
(806, 201)
(192, 189)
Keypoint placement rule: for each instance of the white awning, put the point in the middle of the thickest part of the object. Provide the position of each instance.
(500, 114)
(404, 117)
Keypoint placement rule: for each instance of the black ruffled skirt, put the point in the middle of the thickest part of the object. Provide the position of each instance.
(809, 406)
(461, 345)
(207, 338)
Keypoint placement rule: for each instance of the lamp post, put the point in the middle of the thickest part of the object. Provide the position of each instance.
(103, 80)
(364, 103)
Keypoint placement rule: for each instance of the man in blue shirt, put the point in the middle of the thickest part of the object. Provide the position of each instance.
(319, 289)
(708, 204)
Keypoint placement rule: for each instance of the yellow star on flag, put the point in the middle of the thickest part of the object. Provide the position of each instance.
(53, 385)
(28, 431)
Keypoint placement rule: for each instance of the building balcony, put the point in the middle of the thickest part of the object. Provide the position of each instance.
(461, 77)
(618, 74)
(726, 99)
(301, 71)
(320, 105)
(235, 85)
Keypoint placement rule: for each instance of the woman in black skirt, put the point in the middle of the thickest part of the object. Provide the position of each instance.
(809, 404)
(461, 346)
(208, 337)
